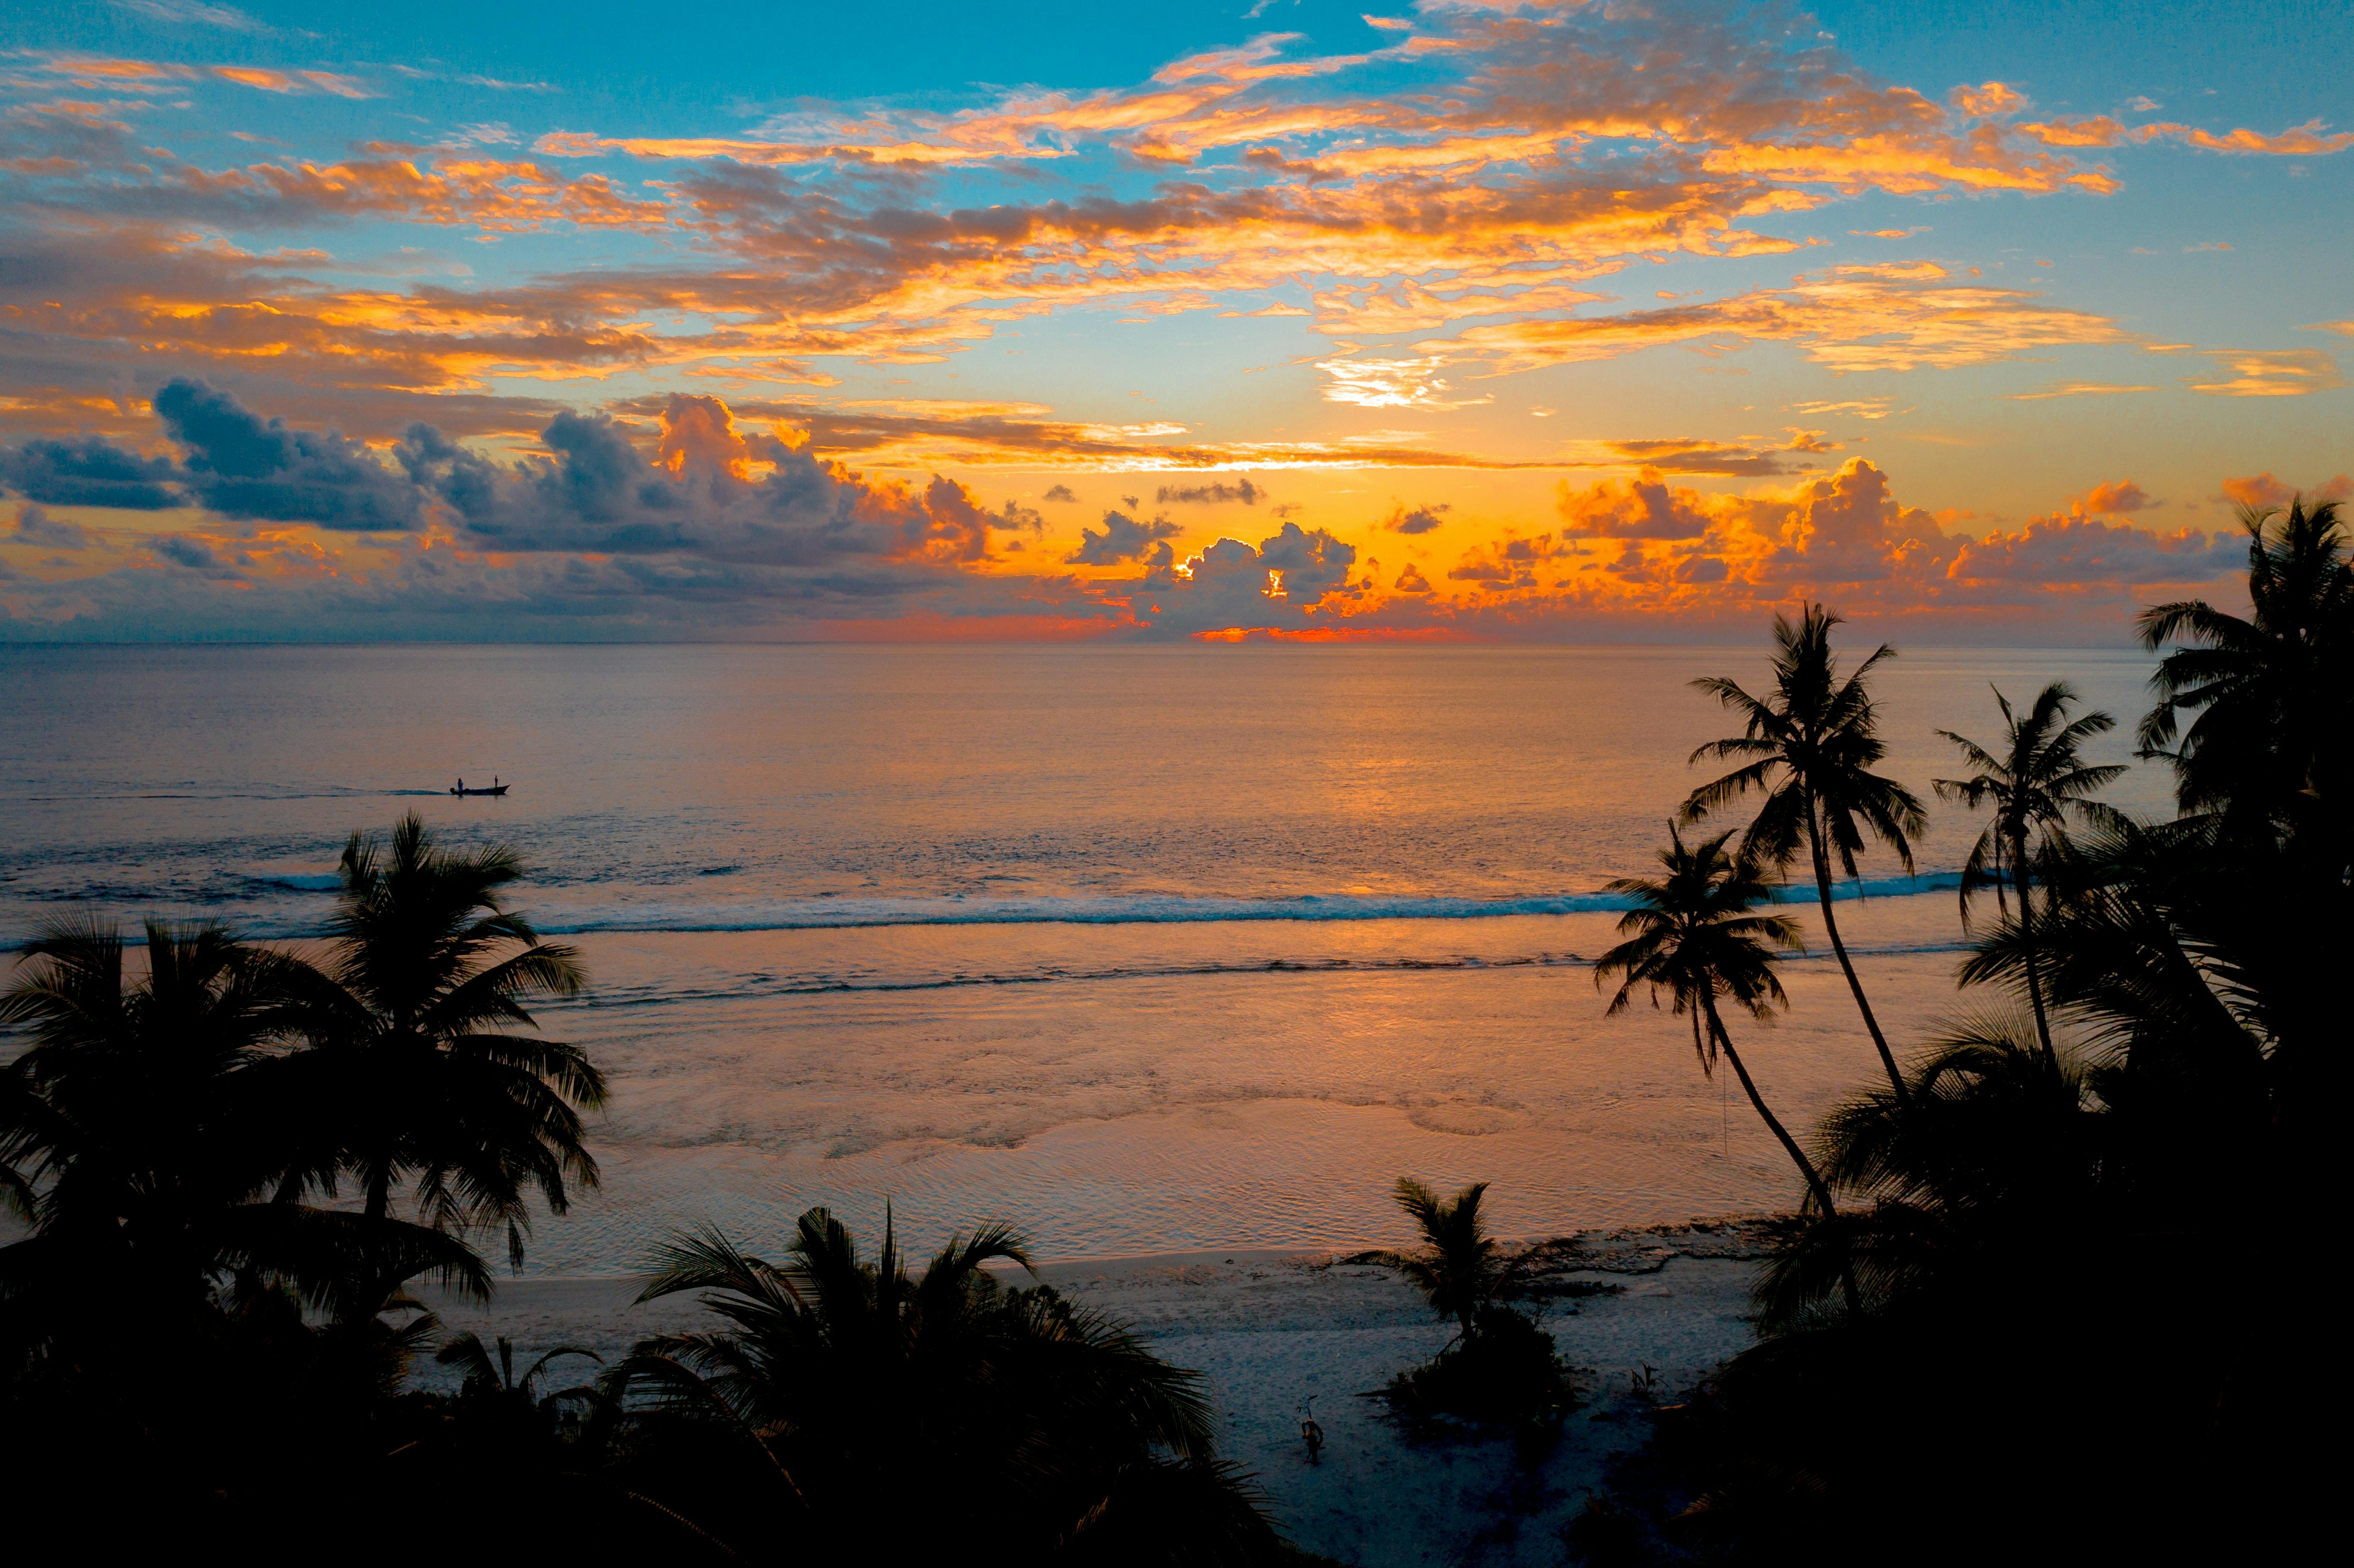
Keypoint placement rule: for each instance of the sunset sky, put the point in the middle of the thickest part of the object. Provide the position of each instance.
(1453, 320)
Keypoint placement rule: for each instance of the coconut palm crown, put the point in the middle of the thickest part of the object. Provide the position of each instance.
(842, 1380)
(2258, 710)
(2037, 782)
(149, 1128)
(1809, 746)
(1693, 935)
(420, 1032)
(1459, 1266)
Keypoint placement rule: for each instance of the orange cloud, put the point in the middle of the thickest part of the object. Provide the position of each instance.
(2310, 139)
(2076, 389)
(2271, 373)
(2262, 490)
(2118, 495)
(293, 80)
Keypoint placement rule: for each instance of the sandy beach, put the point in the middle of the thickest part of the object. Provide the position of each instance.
(1272, 1329)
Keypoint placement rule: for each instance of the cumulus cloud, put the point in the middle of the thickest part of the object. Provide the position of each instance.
(1233, 585)
(2069, 550)
(2262, 490)
(1682, 558)
(2118, 495)
(1061, 492)
(204, 558)
(744, 525)
(88, 471)
(245, 468)
(1417, 519)
(1123, 539)
(1639, 508)
(35, 526)
(1216, 493)
(697, 495)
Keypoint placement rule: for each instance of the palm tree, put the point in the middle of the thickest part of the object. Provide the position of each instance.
(2274, 720)
(2037, 782)
(1691, 934)
(1809, 746)
(150, 1122)
(841, 1378)
(431, 977)
(1459, 1266)
(2257, 717)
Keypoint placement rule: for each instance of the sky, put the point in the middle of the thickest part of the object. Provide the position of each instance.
(1459, 319)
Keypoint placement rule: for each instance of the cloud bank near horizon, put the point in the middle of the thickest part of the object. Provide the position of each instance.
(700, 529)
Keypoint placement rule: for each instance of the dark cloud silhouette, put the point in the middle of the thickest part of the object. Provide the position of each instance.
(1123, 539)
(194, 554)
(1421, 520)
(1689, 456)
(254, 470)
(1217, 494)
(1411, 581)
(88, 471)
(1011, 516)
(600, 493)
(1060, 493)
(35, 526)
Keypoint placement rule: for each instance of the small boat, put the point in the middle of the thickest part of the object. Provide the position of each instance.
(496, 787)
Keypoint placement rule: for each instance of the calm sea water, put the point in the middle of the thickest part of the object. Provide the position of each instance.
(1148, 949)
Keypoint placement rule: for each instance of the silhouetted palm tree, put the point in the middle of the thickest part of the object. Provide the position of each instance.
(1809, 746)
(148, 1122)
(2275, 713)
(849, 1377)
(434, 1085)
(1691, 934)
(1459, 1266)
(2036, 781)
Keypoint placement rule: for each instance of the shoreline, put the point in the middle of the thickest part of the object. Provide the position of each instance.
(1612, 1249)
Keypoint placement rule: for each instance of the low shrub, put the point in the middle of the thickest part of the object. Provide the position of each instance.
(1506, 1372)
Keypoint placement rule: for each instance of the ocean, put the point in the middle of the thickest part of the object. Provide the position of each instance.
(1144, 948)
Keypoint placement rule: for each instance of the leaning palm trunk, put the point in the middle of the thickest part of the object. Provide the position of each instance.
(2027, 941)
(1847, 966)
(1814, 1179)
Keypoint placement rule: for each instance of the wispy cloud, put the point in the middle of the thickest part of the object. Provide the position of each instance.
(2076, 389)
(2271, 373)
(194, 13)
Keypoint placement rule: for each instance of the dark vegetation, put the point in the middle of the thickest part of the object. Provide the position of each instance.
(2056, 1290)
(1500, 1368)
(206, 1329)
